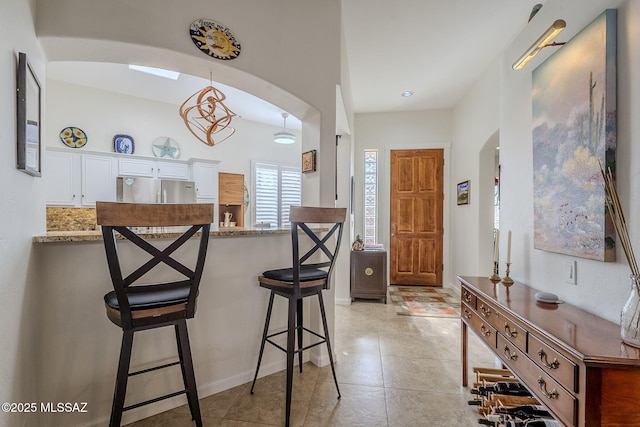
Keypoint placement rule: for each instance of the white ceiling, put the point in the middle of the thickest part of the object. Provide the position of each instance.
(436, 49)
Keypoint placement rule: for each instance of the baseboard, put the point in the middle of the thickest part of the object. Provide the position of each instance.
(343, 301)
(452, 287)
(321, 360)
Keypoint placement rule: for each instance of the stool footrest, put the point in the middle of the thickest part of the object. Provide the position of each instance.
(323, 340)
(155, 368)
(157, 399)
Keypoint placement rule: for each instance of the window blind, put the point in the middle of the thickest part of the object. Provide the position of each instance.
(277, 187)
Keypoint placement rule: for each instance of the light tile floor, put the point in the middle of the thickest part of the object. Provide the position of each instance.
(393, 371)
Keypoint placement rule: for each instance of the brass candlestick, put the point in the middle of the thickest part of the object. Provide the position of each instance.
(507, 281)
(495, 277)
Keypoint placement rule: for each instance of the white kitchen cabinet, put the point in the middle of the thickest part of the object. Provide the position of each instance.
(173, 170)
(151, 168)
(75, 179)
(61, 171)
(98, 180)
(137, 167)
(205, 176)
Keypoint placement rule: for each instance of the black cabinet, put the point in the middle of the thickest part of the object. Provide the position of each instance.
(369, 274)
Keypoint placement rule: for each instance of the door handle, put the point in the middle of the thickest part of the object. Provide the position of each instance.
(393, 230)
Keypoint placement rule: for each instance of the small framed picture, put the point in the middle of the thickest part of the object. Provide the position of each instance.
(309, 161)
(463, 193)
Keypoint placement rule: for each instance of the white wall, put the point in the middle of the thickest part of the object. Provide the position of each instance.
(119, 33)
(21, 216)
(602, 287)
(396, 131)
(475, 121)
(102, 114)
(81, 345)
(300, 78)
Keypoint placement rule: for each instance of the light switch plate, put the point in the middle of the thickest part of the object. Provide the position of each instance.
(570, 272)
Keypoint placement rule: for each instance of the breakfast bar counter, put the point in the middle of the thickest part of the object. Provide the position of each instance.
(81, 345)
(96, 235)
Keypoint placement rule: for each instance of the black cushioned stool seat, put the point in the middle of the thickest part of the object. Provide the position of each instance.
(286, 274)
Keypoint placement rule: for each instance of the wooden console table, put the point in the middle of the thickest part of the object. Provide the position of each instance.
(573, 361)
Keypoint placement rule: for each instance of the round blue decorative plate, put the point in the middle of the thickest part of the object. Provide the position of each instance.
(73, 137)
(123, 144)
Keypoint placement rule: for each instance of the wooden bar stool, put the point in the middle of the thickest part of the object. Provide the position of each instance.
(309, 275)
(135, 306)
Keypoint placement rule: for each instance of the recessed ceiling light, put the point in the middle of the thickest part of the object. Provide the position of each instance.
(173, 75)
(407, 93)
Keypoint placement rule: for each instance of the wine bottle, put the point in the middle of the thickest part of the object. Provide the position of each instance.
(527, 410)
(512, 389)
(533, 422)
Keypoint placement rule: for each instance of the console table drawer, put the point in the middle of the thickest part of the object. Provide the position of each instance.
(468, 298)
(553, 363)
(486, 311)
(481, 327)
(514, 331)
(547, 390)
(467, 312)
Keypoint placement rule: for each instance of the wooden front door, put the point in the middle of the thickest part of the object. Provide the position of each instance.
(416, 217)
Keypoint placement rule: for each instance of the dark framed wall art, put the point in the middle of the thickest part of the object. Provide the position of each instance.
(29, 151)
(463, 193)
(309, 161)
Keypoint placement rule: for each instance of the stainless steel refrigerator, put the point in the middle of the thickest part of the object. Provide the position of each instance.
(149, 190)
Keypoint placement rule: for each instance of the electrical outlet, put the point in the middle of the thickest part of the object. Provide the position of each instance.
(570, 272)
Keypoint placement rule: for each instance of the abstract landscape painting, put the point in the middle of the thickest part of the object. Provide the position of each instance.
(574, 129)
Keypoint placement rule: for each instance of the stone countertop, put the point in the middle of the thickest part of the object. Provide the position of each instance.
(96, 235)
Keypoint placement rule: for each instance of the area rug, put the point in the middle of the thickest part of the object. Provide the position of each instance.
(424, 301)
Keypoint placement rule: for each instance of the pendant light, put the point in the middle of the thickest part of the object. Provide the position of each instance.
(284, 137)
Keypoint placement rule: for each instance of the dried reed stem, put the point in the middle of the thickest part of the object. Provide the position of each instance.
(617, 216)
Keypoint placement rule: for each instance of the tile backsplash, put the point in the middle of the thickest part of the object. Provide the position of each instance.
(71, 219)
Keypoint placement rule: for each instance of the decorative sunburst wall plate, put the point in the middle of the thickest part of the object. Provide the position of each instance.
(214, 39)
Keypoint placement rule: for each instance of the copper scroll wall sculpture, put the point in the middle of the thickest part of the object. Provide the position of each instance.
(205, 115)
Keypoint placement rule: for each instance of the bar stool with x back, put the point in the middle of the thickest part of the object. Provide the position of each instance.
(309, 275)
(136, 306)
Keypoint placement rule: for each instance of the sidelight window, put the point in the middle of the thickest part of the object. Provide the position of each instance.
(370, 195)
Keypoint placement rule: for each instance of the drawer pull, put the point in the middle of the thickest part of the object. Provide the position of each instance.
(467, 314)
(486, 312)
(511, 356)
(553, 395)
(508, 331)
(467, 297)
(484, 331)
(543, 358)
